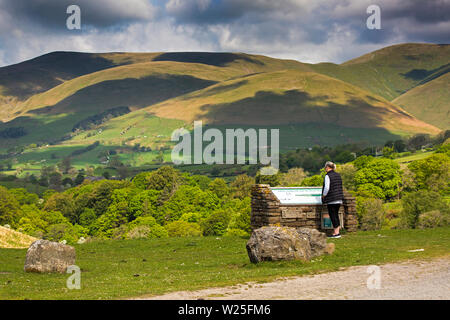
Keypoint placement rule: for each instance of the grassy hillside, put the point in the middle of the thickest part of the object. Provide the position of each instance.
(289, 97)
(391, 71)
(75, 102)
(429, 102)
(13, 239)
(20, 81)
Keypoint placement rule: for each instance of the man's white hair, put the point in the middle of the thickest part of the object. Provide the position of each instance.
(330, 165)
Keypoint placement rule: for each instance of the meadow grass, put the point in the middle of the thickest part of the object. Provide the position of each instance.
(132, 268)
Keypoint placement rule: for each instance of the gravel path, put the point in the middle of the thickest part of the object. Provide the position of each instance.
(405, 280)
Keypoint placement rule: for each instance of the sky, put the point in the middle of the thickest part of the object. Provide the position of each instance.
(306, 30)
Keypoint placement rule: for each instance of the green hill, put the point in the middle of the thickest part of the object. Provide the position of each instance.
(429, 102)
(121, 100)
(289, 97)
(20, 81)
(391, 71)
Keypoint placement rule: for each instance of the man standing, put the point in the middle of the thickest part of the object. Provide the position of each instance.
(333, 195)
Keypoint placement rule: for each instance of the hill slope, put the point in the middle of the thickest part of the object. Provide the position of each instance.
(391, 71)
(125, 99)
(13, 239)
(289, 97)
(20, 81)
(429, 102)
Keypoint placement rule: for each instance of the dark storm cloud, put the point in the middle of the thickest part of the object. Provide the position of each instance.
(97, 13)
(307, 30)
(317, 19)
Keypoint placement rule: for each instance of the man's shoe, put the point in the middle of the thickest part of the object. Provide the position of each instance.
(335, 236)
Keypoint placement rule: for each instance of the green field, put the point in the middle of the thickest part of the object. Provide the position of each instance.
(416, 156)
(132, 268)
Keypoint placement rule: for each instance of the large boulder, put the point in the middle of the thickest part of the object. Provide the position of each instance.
(46, 256)
(278, 243)
(317, 240)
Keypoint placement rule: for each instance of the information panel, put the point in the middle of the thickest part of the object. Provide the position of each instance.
(298, 196)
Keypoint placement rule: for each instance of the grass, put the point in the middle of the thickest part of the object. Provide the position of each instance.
(124, 269)
(419, 155)
(429, 102)
(13, 239)
(391, 71)
(289, 97)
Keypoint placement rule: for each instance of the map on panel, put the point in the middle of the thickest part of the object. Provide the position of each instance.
(299, 195)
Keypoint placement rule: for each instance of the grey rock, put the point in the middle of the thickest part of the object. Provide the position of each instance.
(278, 243)
(317, 240)
(46, 256)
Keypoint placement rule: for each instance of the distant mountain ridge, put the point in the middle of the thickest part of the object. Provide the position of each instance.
(46, 97)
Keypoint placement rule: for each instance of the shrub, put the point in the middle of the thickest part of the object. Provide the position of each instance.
(293, 177)
(189, 199)
(417, 203)
(314, 181)
(183, 229)
(272, 180)
(216, 224)
(87, 217)
(62, 231)
(9, 208)
(154, 229)
(433, 219)
(63, 203)
(371, 213)
(139, 232)
(236, 233)
(191, 217)
(241, 186)
(220, 188)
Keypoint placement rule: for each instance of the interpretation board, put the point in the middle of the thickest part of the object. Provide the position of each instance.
(299, 196)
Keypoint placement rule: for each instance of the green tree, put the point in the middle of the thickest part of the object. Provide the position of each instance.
(65, 165)
(55, 180)
(380, 176)
(347, 172)
(79, 179)
(188, 199)
(166, 179)
(219, 187)
(241, 187)
(432, 173)
(63, 203)
(389, 152)
(9, 208)
(273, 180)
(293, 177)
(23, 196)
(183, 229)
(216, 224)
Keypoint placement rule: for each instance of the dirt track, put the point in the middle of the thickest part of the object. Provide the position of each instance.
(406, 280)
